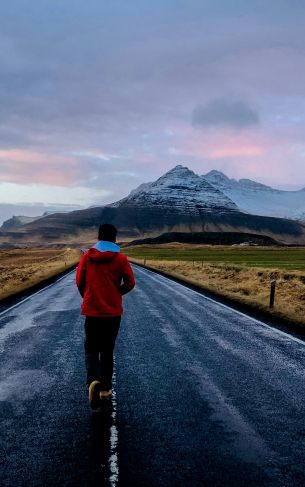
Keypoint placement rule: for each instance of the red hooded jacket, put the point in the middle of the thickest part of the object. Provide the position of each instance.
(102, 277)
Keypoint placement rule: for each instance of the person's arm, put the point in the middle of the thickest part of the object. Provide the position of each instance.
(81, 274)
(127, 277)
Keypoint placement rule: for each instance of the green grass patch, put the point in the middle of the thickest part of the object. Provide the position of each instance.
(285, 258)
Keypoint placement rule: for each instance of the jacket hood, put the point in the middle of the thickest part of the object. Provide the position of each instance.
(103, 251)
(98, 256)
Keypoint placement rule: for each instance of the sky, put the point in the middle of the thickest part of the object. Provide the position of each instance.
(97, 97)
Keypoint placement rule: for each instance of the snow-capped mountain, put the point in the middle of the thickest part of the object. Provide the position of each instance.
(180, 189)
(258, 199)
(178, 201)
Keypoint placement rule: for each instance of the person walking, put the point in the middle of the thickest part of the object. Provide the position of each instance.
(103, 276)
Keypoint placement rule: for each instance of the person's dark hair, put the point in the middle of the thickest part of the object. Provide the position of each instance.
(107, 232)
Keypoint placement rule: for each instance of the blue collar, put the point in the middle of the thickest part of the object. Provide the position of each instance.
(104, 246)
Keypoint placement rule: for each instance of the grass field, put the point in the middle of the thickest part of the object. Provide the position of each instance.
(241, 274)
(266, 257)
(21, 269)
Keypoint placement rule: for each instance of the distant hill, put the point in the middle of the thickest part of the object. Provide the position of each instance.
(212, 238)
(179, 201)
(17, 221)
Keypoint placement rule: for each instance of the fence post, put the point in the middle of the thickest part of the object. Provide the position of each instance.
(272, 294)
(144, 261)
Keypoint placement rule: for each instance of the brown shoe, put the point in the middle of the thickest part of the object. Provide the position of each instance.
(105, 394)
(94, 391)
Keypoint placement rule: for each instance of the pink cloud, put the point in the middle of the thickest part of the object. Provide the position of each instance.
(27, 166)
(227, 145)
(249, 154)
(236, 151)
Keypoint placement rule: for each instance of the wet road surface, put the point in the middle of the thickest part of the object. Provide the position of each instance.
(204, 395)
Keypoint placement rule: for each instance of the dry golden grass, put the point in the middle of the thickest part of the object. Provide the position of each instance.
(247, 285)
(21, 269)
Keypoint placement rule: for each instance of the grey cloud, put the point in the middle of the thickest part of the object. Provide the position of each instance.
(89, 76)
(232, 113)
(113, 173)
(94, 77)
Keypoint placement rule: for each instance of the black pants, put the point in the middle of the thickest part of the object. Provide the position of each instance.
(100, 336)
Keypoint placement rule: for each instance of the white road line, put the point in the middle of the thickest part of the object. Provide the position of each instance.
(275, 330)
(114, 438)
(35, 294)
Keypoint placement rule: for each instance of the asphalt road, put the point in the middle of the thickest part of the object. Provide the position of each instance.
(204, 395)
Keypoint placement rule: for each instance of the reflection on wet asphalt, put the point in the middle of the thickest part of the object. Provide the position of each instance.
(203, 395)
